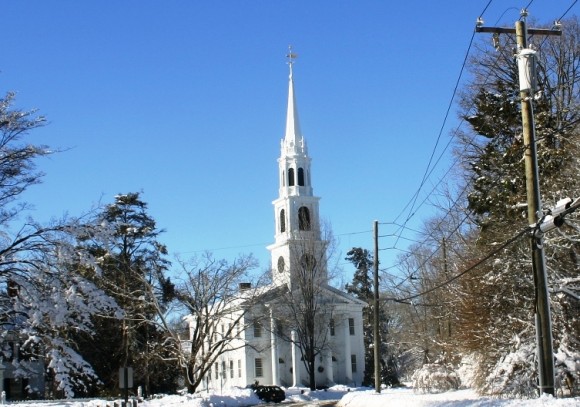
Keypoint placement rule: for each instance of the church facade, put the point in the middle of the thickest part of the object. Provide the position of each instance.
(275, 350)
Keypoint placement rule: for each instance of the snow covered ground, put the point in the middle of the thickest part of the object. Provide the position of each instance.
(401, 397)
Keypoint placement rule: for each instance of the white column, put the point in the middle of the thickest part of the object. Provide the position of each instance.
(295, 361)
(330, 373)
(329, 370)
(347, 364)
(274, 350)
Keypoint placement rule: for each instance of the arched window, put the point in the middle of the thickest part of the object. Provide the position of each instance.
(303, 218)
(291, 177)
(282, 221)
(301, 177)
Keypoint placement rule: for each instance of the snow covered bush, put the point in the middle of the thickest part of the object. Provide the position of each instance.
(435, 378)
(49, 304)
(567, 368)
(467, 370)
(514, 374)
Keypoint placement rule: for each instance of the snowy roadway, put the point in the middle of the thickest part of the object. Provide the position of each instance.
(339, 396)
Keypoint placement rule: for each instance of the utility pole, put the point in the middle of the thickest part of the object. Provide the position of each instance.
(446, 271)
(525, 57)
(376, 331)
(543, 317)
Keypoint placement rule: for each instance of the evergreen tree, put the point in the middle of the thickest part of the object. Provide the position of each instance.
(496, 303)
(133, 262)
(362, 287)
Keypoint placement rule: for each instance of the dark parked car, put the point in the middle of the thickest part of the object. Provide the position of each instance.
(270, 393)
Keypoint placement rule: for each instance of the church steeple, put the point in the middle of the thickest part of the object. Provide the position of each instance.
(297, 237)
(293, 140)
(294, 160)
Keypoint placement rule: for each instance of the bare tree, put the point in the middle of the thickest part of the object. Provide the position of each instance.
(422, 301)
(308, 303)
(214, 296)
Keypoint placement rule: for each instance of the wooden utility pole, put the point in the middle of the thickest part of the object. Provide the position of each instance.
(543, 317)
(526, 69)
(376, 331)
(446, 271)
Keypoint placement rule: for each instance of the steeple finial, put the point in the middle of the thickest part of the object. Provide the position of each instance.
(291, 57)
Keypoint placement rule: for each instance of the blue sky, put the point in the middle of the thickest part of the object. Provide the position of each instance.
(185, 101)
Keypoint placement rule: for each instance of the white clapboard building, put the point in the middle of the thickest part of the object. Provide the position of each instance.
(270, 354)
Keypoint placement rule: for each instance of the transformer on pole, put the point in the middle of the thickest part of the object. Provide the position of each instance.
(527, 82)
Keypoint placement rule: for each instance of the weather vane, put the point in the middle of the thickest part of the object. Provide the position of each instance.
(291, 56)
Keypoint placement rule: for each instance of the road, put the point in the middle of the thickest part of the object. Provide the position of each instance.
(311, 403)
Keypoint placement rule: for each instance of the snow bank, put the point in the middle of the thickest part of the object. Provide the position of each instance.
(406, 397)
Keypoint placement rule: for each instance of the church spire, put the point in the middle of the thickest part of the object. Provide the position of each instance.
(297, 239)
(293, 142)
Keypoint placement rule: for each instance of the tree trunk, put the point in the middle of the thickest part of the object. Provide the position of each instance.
(311, 363)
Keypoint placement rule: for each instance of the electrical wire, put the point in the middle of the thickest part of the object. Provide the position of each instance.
(225, 248)
(529, 4)
(413, 203)
(567, 11)
(464, 272)
(485, 8)
(487, 257)
(428, 173)
(560, 19)
(448, 237)
(429, 169)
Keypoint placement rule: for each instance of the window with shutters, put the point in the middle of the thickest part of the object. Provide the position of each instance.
(258, 368)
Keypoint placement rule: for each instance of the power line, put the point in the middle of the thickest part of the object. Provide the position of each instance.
(225, 248)
(495, 182)
(354, 233)
(485, 8)
(449, 106)
(415, 196)
(400, 226)
(412, 204)
(569, 8)
(428, 169)
(467, 270)
(529, 4)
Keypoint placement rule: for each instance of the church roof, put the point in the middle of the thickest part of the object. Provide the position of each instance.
(345, 296)
(276, 293)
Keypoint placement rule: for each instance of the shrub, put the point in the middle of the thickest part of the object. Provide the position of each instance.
(435, 378)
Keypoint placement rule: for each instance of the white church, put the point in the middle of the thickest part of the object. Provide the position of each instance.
(273, 350)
